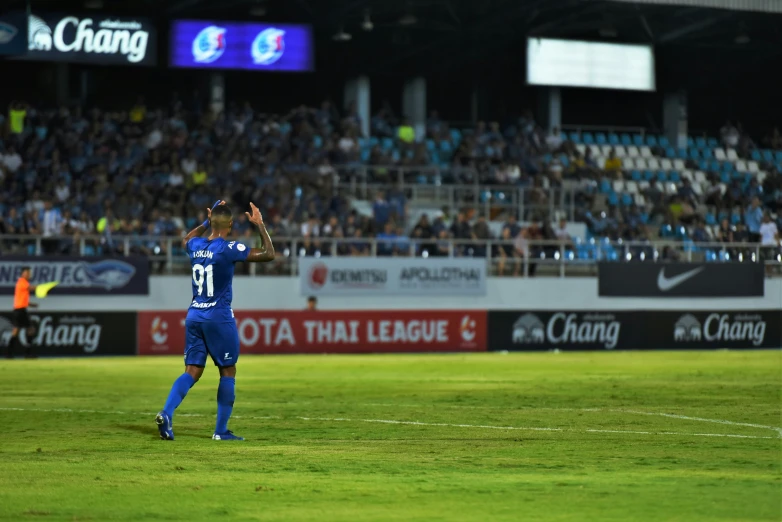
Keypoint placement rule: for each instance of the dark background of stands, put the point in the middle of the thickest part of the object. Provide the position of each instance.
(461, 47)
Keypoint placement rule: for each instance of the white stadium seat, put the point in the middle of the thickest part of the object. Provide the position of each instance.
(632, 151)
(761, 176)
(700, 177)
(621, 152)
(752, 166)
(646, 152)
(640, 163)
(653, 163)
(679, 165)
(732, 156)
(581, 148)
(632, 187)
(618, 186)
(741, 166)
(687, 174)
(670, 189)
(595, 151)
(640, 200)
(643, 185)
(719, 154)
(696, 187)
(666, 164)
(605, 149)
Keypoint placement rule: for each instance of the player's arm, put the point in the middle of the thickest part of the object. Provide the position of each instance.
(203, 227)
(266, 252)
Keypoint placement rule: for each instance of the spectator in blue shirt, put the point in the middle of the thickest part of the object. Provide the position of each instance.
(753, 217)
(386, 241)
(381, 211)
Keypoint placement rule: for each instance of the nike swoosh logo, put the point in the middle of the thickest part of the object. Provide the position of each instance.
(668, 283)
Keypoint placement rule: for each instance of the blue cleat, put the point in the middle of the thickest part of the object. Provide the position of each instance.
(163, 422)
(228, 435)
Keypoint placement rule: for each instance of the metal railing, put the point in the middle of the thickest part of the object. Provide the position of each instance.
(513, 257)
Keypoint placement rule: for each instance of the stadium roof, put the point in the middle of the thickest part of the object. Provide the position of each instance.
(412, 36)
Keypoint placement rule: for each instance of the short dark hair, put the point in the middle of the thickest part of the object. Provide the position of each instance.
(312, 299)
(26, 268)
(222, 211)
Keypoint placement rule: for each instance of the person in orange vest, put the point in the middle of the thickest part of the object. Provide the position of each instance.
(21, 318)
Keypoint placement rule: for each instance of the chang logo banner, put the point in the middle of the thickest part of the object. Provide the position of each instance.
(13, 34)
(80, 276)
(91, 39)
(241, 45)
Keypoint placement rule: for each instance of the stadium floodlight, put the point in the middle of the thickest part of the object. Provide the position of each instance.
(367, 24)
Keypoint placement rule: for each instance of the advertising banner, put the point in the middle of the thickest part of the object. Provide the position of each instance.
(241, 45)
(635, 330)
(681, 280)
(261, 332)
(392, 276)
(566, 330)
(75, 334)
(13, 34)
(80, 275)
(97, 39)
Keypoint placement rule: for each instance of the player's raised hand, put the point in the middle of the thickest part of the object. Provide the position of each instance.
(254, 216)
(209, 210)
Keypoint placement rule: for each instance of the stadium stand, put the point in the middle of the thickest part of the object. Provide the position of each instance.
(137, 176)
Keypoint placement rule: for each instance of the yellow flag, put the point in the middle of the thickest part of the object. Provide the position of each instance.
(43, 289)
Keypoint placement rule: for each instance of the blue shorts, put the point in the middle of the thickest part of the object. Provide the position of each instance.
(219, 340)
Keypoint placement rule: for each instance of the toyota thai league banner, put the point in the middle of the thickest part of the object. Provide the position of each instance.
(13, 34)
(75, 334)
(261, 332)
(119, 40)
(681, 280)
(241, 45)
(80, 275)
(393, 276)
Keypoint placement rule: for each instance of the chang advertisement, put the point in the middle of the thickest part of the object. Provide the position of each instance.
(91, 39)
(13, 34)
(240, 45)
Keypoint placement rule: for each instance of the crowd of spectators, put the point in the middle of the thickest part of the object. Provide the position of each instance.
(144, 173)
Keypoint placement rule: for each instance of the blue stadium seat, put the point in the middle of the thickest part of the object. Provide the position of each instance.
(710, 256)
(648, 175)
(373, 141)
(728, 166)
(711, 219)
(605, 186)
(388, 144)
(663, 141)
(613, 139)
(712, 143)
(575, 137)
(363, 143)
(725, 177)
(317, 141)
(600, 138)
(681, 153)
(700, 143)
(430, 145)
(755, 155)
(715, 165)
(456, 136)
(681, 232)
(365, 153)
(778, 156)
(735, 218)
(651, 140)
(670, 152)
(422, 179)
(666, 231)
(703, 165)
(767, 156)
(635, 175)
(446, 146)
(661, 176)
(722, 215)
(627, 200)
(674, 176)
(564, 160)
(625, 139)
(707, 153)
(723, 256)
(694, 154)
(587, 138)
(690, 142)
(613, 199)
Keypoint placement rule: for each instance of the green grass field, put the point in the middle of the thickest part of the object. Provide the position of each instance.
(490, 437)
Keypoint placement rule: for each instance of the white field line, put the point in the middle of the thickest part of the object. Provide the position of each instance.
(407, 423)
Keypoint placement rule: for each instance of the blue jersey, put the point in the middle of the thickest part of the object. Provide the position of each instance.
(213, 272)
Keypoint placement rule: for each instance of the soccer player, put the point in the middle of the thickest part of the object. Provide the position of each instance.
(210, 327)
(20, 317)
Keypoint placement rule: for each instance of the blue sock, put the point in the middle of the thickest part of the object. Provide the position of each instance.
(178, 391)
(226, 394)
